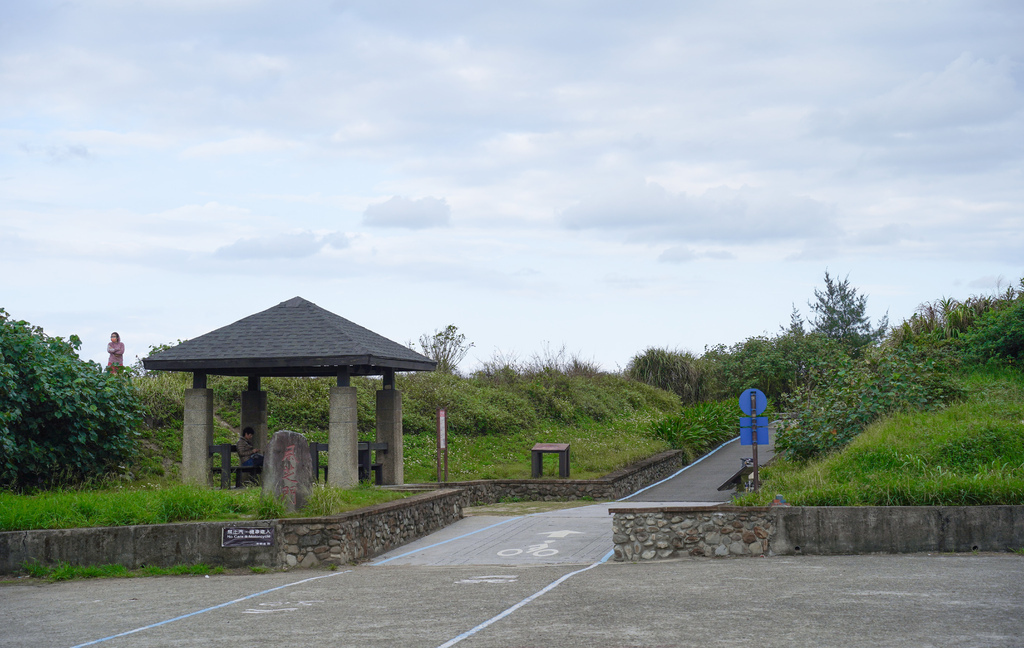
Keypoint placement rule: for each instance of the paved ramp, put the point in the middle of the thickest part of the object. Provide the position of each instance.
(577, 535)
(698, 483)
(567, 536)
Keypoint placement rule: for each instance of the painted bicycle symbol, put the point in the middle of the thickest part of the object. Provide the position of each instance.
(542, 549)
(539, 550)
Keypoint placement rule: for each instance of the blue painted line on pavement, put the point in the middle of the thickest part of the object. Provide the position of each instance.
(469, 633)
(209, 609)
(684, 468)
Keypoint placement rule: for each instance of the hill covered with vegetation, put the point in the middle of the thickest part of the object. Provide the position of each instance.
(836, 376)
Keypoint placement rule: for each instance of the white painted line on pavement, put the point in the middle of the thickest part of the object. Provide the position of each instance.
(679, 472)
(469, 633)
(209, 609)
(438, 544)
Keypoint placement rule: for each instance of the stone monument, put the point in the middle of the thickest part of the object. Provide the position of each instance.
(288, 469)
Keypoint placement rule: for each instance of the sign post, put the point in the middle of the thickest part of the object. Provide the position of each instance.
(442, 446)
(753, 402)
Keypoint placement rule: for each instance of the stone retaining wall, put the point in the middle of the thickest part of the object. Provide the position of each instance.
(662, 533)
(353, 536)
(641, 534)
(363, 534)
(612, 486)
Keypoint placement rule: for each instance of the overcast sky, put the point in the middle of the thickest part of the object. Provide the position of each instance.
(605, 175)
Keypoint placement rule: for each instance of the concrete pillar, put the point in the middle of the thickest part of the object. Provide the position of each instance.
(343, 439)
(254, 415)
(197, 436)
(389, 430)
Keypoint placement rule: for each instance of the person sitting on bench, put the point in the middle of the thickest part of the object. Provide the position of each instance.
(247, 454)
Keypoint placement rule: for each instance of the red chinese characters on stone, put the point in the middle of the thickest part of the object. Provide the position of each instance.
(289, 484)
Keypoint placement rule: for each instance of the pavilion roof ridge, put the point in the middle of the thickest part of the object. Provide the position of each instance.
(294, 338)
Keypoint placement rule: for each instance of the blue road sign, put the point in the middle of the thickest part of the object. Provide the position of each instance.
(747, 437)
(760, 402)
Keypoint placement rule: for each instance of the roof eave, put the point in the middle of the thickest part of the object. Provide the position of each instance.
(365, 365)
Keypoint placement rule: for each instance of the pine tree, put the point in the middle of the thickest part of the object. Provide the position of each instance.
(839, 313)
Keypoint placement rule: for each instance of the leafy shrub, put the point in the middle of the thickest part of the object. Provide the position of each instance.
(998, 335)
(61, 419)
(699, 428)
(776, 365)
(846, 397)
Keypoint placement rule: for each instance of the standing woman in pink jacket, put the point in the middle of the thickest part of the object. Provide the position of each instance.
(116, 350)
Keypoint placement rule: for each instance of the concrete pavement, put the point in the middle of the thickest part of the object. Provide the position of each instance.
(893, 601)
(541, 580)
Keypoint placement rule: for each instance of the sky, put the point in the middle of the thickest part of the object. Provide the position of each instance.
(602, 177)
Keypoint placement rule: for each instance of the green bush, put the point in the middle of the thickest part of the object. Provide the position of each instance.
(699, 428)
(845, 397)
(777, 365)
(62, 420)
(998, 335)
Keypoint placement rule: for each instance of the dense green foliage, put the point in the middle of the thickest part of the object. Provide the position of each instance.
(970, 453)
(699, 428)
(62, 420)
(998, 335)
(846, 395)
(777, 365)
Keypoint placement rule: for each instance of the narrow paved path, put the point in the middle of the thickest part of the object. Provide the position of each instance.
(568, 536)
(698, 483)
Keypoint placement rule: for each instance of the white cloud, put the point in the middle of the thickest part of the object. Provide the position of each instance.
(282, 246)
(628, 158)
(398, 211)
(245, 145)
(685, 254)
(649, 212)
(968, 92)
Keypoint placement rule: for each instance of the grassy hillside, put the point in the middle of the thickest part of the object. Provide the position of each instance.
(493, 420)
(969, 453)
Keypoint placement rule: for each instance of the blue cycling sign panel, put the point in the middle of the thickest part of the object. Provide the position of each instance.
(760, 402)
(747, 436)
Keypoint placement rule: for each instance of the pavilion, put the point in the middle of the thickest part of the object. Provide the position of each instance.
(294, 338)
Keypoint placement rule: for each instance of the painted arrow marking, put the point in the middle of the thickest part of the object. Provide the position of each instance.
(560, 534)
(497, 578)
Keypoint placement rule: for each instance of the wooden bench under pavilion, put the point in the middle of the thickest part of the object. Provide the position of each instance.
(296, 338)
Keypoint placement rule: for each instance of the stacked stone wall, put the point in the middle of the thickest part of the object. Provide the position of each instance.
(612, 486)
(723, 531)
(359, 535)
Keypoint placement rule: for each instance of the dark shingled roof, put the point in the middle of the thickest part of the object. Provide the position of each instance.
(294, 338)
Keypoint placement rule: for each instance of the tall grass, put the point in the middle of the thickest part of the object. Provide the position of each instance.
(181, 503)
(676, 371)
